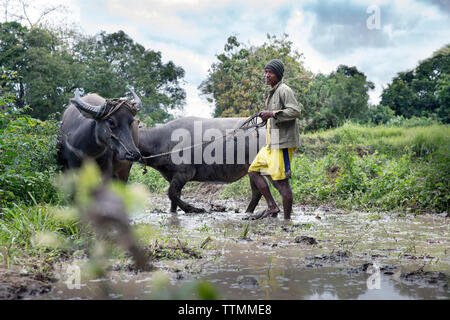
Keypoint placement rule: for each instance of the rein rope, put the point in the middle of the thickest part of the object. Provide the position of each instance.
(249, 123)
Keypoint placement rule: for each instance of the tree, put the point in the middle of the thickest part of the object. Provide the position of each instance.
(348, 94)
(333, 99)
(235, 82)
(46, 70)
(422, 91)
(111, 62)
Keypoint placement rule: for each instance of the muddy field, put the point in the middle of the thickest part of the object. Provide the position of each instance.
(322, 253)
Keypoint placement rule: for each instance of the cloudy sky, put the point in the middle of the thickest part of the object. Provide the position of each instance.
(379, 37)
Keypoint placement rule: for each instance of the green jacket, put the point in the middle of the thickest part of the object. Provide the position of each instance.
(286, 111)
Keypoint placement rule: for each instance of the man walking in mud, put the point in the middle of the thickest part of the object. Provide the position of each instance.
(282, 138)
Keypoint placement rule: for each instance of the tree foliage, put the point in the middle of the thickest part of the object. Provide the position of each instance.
(235, 82)
(50, 65)
(111, 62)
(335, 98)
(423, 91)
(46, 71)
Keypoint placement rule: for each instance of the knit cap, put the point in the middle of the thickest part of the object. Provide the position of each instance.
(277, 67)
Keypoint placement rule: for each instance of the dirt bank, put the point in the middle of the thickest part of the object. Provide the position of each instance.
(15, 285)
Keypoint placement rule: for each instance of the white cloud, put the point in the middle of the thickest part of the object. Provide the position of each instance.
(195, 105)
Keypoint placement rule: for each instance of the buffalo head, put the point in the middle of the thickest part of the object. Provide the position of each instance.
(114, 120)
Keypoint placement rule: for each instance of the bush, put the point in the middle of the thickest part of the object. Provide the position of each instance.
(370, 168)
(28, 162)
(379, 114)
(400, 121)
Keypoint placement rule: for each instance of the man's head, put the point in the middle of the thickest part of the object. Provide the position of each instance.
(273, 72)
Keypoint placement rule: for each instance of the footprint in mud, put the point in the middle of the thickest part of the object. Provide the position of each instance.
(421, 277)
(306, 240)
(247, 282)
(321, 259)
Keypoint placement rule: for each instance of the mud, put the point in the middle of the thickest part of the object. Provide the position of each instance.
(15, 285)
(323, 253)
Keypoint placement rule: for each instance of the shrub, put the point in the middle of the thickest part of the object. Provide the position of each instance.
(28, 162)
(379, 114)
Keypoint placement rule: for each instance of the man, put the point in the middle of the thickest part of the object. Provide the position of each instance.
(283, 138)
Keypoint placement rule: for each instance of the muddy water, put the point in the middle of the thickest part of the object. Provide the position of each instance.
(321, 254)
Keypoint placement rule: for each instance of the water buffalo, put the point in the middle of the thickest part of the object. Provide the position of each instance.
(101, 129)
(224, 160)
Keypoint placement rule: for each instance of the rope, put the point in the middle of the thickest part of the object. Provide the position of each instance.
(250, 123)
(118, 104)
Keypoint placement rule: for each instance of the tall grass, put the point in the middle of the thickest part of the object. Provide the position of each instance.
(152, 178)
(392, 141)
(19, 224)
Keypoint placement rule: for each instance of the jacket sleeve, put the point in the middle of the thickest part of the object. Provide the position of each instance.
(291, 108)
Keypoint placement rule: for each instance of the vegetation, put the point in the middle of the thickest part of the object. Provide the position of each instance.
(235, 85)
(27, 156)
(150, 177)
(235, 82)
(423, 91)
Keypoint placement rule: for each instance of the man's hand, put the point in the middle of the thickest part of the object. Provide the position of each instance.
(264, 115)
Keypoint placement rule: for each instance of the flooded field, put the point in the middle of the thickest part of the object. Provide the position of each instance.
(322, 253)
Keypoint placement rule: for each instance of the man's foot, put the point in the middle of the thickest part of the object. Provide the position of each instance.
(273, 212)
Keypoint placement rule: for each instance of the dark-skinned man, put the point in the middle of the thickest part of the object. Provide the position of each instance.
(282, 139)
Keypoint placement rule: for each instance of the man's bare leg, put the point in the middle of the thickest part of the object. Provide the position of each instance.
(284, 188)
(263, 187)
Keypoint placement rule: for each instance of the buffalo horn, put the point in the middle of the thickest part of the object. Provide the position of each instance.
(137, 101)
(86, 108)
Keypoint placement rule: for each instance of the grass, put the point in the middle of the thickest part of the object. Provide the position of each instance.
(34, 238)
(392, 141)
(152, 178)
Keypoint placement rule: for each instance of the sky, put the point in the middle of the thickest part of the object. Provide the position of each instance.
(379, 37)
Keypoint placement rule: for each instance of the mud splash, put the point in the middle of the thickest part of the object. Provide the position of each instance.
(321, 254)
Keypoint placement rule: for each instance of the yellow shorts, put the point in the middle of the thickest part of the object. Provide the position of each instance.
(271, 162)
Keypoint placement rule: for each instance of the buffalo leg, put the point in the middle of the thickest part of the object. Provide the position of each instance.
(123, 172)
(256, 196)
(176, 185)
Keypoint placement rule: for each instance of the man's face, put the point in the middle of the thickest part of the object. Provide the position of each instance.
(270, 77)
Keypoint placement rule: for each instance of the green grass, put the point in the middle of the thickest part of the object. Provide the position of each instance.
(392, 141)
(152, 179)
(36, 237)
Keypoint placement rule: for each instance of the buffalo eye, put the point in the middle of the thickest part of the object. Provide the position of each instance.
(111, 123)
